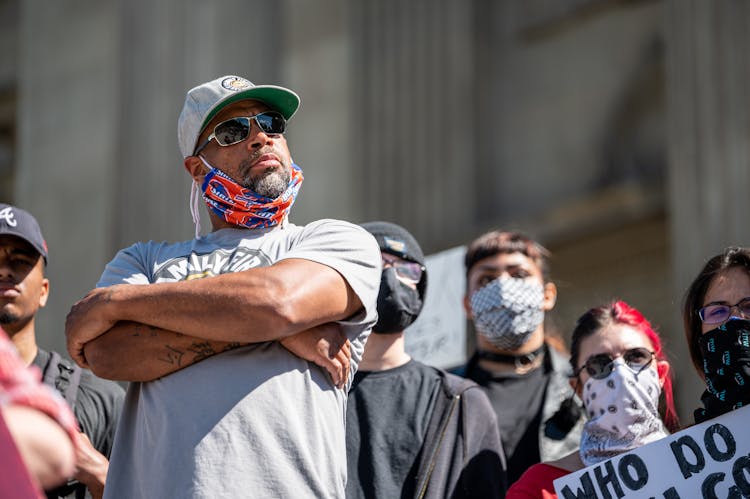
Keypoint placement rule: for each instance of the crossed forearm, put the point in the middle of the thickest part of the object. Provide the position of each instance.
(158, 352)
(169, 326)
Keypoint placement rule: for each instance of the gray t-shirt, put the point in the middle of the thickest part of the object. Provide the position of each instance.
(256, 421)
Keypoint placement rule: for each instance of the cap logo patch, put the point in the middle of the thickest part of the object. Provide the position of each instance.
(235, 83)
(394, 245)
(8, 215)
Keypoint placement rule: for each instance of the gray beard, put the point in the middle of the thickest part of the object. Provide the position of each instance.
(271, 183)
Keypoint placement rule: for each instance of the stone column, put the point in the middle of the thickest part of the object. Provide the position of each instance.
(708, 88)
(67, 142)
(100, 87)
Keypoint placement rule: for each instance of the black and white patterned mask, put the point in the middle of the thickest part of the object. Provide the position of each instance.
(507, 310)
(622, 411)
(726, 365)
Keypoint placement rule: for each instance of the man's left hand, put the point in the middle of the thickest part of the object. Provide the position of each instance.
(326, 346)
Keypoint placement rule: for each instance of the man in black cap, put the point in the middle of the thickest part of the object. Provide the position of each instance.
(414, 430)
(96, 403)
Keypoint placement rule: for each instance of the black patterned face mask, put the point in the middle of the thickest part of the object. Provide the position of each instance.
(726, 365)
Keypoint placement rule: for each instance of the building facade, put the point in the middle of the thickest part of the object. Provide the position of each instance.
(615, 132)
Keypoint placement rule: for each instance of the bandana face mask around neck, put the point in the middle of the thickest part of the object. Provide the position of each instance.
(507, 310)
(241, 206)
(726, 365)
(623, 412)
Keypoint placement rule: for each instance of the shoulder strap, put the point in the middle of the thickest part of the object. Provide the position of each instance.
(64, 376)
(454, 384)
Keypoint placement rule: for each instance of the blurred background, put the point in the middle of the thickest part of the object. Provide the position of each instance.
(614, 132)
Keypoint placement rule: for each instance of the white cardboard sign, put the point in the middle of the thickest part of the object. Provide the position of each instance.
(708, 460)
(438, 336)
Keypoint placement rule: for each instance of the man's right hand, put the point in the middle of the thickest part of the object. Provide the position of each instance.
(326, 346)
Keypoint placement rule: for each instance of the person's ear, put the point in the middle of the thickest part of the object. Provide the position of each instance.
(44, 292)
(195, 168)
(574, 382)
(467, 307)
(550, 296)
(662, 368)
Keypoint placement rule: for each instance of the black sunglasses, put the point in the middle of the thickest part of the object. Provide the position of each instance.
(599, 366)
(235, 130)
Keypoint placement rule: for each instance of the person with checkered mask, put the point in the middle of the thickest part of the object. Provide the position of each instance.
(507, 296)
(240, 344)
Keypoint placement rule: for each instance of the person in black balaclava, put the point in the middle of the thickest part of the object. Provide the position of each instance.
(412, 429)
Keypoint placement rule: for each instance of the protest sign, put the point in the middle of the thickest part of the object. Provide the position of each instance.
(438, 336)
(708, 460)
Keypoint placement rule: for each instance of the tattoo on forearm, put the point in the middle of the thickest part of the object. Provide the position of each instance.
(202, 350)
(172, 356)
(145, 330)
(232, 346)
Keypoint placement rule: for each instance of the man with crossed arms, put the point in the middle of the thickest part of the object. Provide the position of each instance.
(216, 332)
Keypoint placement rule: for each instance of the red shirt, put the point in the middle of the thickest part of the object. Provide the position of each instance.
(536, 483)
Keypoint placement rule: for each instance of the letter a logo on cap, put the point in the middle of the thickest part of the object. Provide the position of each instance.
(7, 214)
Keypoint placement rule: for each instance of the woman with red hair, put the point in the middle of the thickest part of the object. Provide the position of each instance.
(621, 375)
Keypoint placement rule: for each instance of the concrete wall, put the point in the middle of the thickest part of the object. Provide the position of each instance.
(68, 95)
(555, 123)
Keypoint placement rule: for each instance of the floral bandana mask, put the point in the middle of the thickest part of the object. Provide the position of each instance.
(507, 310)
(726, 365)
(623, 412)
(241, 206)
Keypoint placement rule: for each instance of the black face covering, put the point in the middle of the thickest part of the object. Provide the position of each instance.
(398, 304)
(726, 364)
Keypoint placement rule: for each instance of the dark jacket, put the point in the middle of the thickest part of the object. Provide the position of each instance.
(558, 389)
(96, 404)
(462, 456)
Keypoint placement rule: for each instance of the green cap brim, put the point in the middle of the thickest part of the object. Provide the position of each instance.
(277, 98)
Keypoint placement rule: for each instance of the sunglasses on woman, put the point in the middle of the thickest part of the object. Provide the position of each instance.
(716, 314)
(599, 366)
(235, 130)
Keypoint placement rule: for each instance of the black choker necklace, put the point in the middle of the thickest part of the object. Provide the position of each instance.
(520, 361)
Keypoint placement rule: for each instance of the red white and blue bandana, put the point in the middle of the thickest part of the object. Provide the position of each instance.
(241, 206)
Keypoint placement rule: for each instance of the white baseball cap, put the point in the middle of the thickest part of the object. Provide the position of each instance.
(203, 102)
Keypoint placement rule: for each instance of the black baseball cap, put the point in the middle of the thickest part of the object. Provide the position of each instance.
(20, 223)
(397, 241)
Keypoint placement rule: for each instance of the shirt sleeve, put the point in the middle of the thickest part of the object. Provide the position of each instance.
(127, 267)
(352, 252)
